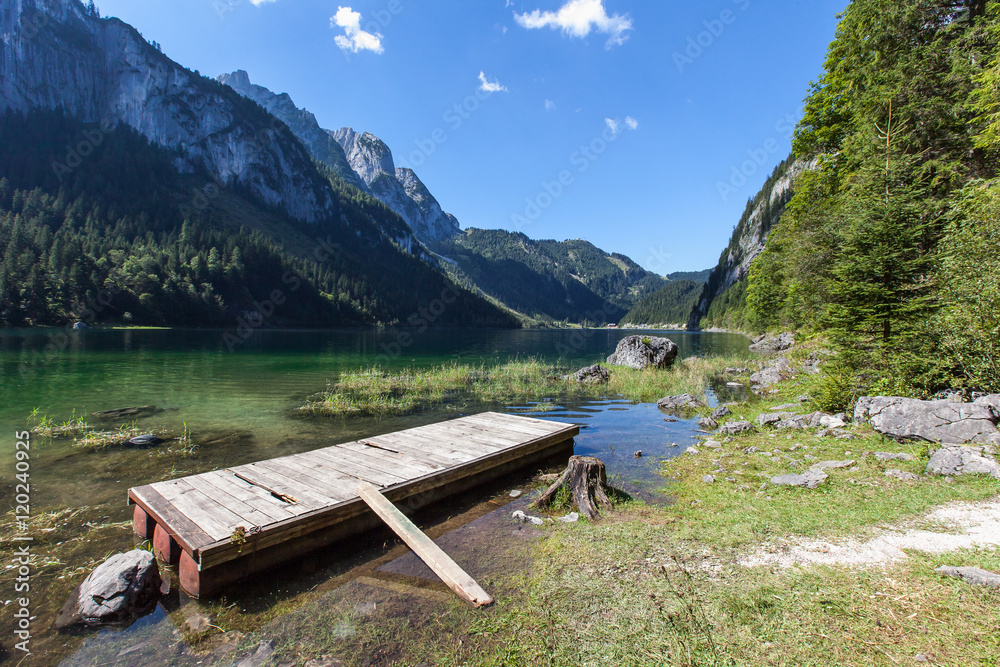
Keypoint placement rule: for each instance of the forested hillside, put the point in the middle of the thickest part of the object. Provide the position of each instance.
(670, 304)
(890, 245)
(119, 235)
(550, 281)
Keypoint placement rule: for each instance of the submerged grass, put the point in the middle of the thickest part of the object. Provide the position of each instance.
(377, 391)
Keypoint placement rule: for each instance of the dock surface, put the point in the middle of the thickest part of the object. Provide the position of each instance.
(223, 525)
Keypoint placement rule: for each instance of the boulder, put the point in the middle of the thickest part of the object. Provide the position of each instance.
(769, 418)
(735, 428)
(640, 352)
(934, 421)
(810, 479)
(79, 326)
(708, 424)
(595, 374)
(829, 421)
(951, 461)
(894, 456)
(902, 475)
(720, 412)
(973, 575)
(678, 403)
(778, 370)
(831, 465)
(125, 586)
(992, 400)
(771, 344)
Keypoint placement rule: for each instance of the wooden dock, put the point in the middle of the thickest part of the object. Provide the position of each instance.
(224, 525)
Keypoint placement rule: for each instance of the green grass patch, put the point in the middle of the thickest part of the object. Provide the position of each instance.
(378, 391)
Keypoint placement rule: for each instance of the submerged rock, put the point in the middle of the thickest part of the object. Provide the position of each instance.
(519, 515)
(680, 402)
(640, 352)
(934, 421)
(125, 586)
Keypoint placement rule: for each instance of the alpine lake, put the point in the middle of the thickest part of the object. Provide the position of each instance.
(231, 401)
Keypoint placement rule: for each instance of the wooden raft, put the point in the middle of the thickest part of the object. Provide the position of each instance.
(224, 525)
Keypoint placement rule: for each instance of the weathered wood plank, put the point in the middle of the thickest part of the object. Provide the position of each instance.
(443, 566)
(212, 517)
(187, 533)
(447, 456)
(386, 460)
(267, 478)
(252, 495)
(410, 459)
(356, 470)
(251, 515)
(306, 479)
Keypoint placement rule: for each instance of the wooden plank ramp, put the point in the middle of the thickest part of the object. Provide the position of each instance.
(224, 525)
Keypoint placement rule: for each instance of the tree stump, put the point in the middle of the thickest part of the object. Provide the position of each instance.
(587, 482)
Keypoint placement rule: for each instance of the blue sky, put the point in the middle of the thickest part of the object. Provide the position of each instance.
(621, 122)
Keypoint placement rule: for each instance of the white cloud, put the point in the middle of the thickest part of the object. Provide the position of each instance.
(550, 105)
(577, 18)
(617, 126)
(354, 38)
(488, 86)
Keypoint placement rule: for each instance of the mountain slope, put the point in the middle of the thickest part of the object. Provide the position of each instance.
(362, 160)
(548, 280)
(670, 305)
(146, 146)
(724, 294)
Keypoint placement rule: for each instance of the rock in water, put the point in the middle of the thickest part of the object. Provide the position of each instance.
(641, 352)
(147, 440)
(595, 374)
(123, 587)
(934, 421)
(681, 402)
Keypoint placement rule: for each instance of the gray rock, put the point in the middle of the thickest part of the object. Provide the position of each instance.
(720, 412)
(770, 344)
(973, 575)
(641, 352)
(827, 421)
(692, 450)
(733, 370)
(595, 374)
(259, 657)
(992, 400)
(708, 479)
(902, 475)
(894, 456)
(519, 515)
(123, 587)
(735, 428)
(678, 403)
(572, 517)
(767, 419)
(804, 398)
(784, 424)
(516, 493)
(712, 444)
(810, 479)
(957, 460)
(934, 421)
(778, 370)
(832, 465)
(79, 326)
(708, 423)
